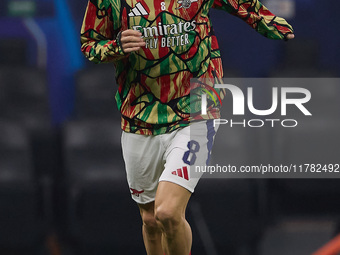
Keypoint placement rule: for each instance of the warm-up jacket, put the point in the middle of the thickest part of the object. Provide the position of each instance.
(154, 83)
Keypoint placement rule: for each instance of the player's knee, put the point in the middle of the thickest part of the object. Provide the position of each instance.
(149, 220)
(168, 218)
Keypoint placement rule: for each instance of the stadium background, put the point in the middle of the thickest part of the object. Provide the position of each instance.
(62, 185)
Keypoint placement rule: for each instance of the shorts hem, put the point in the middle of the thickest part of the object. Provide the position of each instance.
(143, 203)
(191, 190)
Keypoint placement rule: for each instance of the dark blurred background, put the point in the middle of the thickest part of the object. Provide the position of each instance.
(62, 179)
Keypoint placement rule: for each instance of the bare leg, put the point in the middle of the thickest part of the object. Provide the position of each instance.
(170, 205)
(152, 233)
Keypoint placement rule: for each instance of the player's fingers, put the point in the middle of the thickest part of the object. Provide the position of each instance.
(133, 44)
(131, 32)
(131, 37)
(129, 47)
(290, 36)
(128, 50)
(128, 39)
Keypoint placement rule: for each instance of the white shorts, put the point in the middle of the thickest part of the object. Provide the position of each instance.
(166, 157)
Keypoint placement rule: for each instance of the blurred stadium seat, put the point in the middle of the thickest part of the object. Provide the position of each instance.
(25, 96)
(95, 93)
(14, 52)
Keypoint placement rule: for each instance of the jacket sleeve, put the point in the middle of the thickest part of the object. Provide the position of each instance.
(99, 41)
(257, 16)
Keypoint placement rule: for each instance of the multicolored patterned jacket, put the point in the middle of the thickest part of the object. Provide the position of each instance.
(154, 83)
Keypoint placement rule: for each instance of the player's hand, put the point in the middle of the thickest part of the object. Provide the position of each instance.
(290, 36)
(131, 40)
